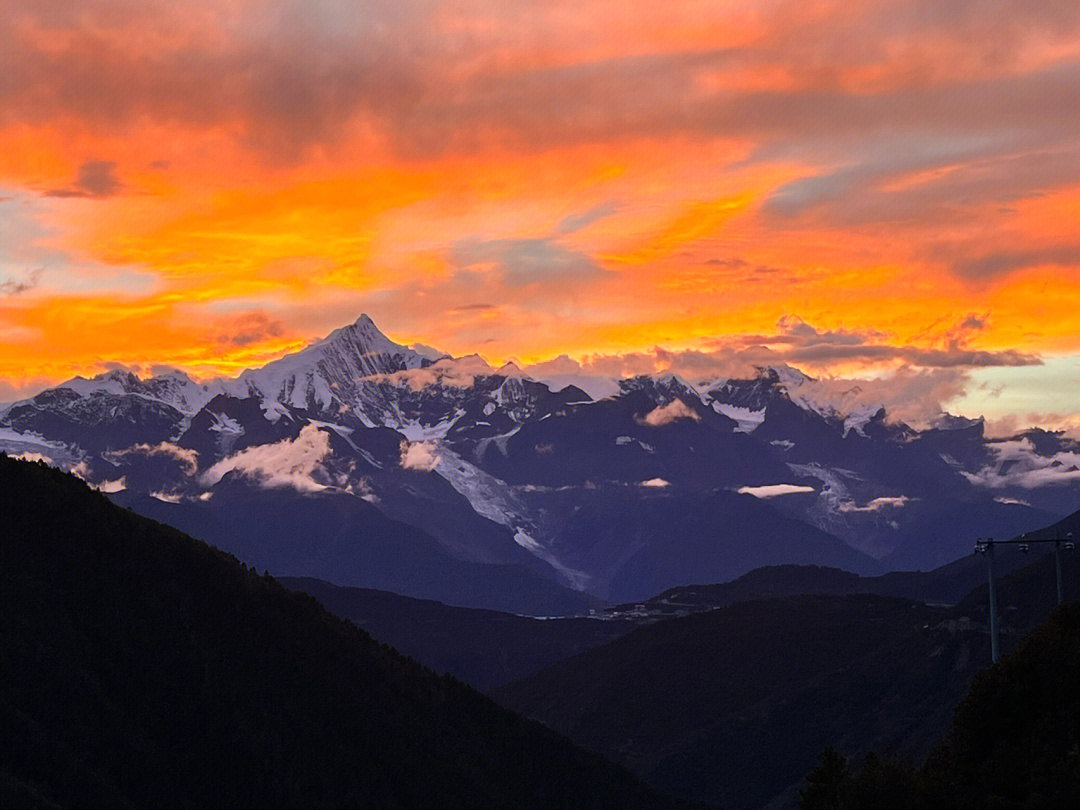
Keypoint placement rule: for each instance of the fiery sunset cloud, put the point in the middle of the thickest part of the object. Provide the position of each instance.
(877, 188)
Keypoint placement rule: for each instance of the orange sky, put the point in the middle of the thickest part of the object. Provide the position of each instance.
(857, 186)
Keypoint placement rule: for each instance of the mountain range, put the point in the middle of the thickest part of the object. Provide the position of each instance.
(368, 463)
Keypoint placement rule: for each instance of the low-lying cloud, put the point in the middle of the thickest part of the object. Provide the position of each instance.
(912, 382)
(877, 504)
(460, 372)
(796, 342)
(188, 459)
(288, 463)
(118, 485)
(776, 490)
(419, 456)
(666, 414)
(1017, 464)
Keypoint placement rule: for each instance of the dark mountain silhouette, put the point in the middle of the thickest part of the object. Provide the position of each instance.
(733, 703)
(1014, 742)
(489, 648)
(141, 668)
(484, 648)
(732, 706)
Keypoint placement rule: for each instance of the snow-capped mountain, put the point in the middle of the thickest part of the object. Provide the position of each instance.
(174, 388)
(494, 476)
(329, 375)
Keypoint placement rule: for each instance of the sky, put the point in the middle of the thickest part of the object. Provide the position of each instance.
(873, 190)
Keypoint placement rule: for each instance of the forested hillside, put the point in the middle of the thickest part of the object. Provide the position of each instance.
(142, 669)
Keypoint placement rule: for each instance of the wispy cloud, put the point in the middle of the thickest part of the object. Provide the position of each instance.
(24, 283)
(525, 262)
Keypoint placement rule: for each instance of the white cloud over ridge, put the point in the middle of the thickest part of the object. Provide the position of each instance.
(877, 504)
(288, 463)
(459, 372)
(189, 459)
(775, 490)
(850, 370)
(1017, 464)
(419, 456)
(666, 414)
(119, 485)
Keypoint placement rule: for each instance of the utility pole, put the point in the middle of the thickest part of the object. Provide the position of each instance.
(1057, 562)
(994, 652)
(1069, 546)
(987, 547)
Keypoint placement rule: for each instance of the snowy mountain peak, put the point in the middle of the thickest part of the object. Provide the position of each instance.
(359, 347)
(661, 388)
(329, 374)
(174, 388)
(784, 375)
(948, 421)
(363, 337)
(114, 381)
(510, 369)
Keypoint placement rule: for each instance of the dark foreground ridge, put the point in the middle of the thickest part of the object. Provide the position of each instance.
(483, 648)
(142, 669)
(1014, 743)
(733, 702)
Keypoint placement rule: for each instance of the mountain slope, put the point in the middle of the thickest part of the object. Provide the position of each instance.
(733, 703)
(640, 543)
(140, 668)
(1016, 738)
(338, 537)
(732, 706)
(484, 648)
